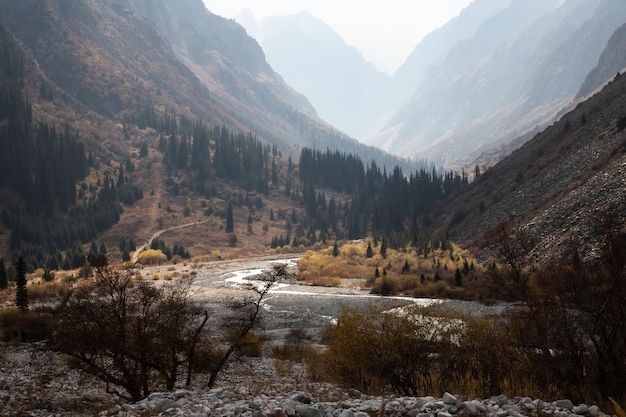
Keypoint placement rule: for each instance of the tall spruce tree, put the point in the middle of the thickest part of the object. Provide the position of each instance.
(4, 279)
(230, 226)
(21, 293)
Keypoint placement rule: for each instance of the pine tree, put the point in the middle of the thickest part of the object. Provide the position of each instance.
(229, 219)
(458, 278)
(21, 293)
(383, 248)
(4, 279)
(335, 250)
(370, 251)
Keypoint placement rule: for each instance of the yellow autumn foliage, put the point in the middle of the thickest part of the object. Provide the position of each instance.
(151, 257)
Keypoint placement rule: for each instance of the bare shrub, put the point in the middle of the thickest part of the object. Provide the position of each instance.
(129, 332)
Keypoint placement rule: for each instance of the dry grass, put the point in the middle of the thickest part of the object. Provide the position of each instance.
(427, 275)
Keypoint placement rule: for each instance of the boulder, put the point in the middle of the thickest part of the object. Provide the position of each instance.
(303, 410)
(449, 399)
(565, 404)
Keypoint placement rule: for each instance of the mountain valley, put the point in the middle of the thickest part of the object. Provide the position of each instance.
(150, 148)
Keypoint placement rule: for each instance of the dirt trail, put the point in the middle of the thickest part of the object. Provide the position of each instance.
(159, 233)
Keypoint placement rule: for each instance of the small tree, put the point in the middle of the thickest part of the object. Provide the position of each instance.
(370, 252)
(21, 293)
(335, 250)
(129, 332)
(48, 275)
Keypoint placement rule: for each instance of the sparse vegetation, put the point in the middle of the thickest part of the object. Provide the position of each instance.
(140, 337)
(418, 272)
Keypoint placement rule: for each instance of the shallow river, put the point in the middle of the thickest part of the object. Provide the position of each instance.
(291, 305)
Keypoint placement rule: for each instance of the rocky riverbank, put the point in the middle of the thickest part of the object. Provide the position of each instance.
(220, 402)
(35, 382)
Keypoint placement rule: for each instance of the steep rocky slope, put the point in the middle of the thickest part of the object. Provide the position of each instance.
(566, 184)
(612, 61)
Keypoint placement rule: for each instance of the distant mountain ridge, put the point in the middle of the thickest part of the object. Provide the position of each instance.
(346, 90)
(502, 83)
(611, 62)
(482, 82)
(433, 49)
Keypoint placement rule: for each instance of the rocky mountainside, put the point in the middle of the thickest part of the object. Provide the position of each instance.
(345, 90)
(517, 72)
(567, 185)
(115, 58)
(612, 61)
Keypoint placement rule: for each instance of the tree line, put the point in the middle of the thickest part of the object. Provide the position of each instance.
(381, 202)
(208, 152)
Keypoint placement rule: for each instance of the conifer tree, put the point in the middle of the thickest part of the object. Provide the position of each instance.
(370, 251)
(458, 278)
(383, 248)
(21, 293)
(335, 250)
(4, 279)
(229, 219)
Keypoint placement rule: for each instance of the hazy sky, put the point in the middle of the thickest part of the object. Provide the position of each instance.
(384, 31)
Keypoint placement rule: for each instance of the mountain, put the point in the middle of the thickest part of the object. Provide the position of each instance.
(564, 186)
(520, 69)
(612, 61)
(175, 56)
(233, 67)
(345, 90)
(433, 49)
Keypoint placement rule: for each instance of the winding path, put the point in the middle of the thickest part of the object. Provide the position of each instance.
(159, 233)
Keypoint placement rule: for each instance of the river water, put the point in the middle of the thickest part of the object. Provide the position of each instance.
(292, 305)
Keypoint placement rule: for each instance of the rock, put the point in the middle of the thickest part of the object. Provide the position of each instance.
(180, 393)
(565, 404)
(308, 411)
(581, 409)
(159, 405)
(444, 414)
(301, 398)
(289, 407)
(449, 399)
(471, 408)
(479, 406)
(347, 413)
(501, 400)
